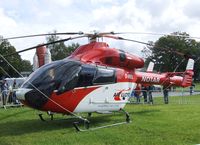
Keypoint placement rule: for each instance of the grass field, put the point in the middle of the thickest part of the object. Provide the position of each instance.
(159, 124)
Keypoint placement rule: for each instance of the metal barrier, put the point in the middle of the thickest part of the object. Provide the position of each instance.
(178, 96)
(7, 100)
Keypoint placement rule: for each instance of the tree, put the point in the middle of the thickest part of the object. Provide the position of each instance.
(15, 60)
(60, 50)
(26, 66)
(164, 55)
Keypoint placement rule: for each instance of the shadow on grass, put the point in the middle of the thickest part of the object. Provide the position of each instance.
(32, 126)
(21, 127)
(145, 112)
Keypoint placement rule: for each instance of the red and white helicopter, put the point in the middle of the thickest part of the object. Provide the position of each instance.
(94, 78)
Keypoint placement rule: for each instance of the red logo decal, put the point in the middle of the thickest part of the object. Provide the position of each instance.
(118, 95)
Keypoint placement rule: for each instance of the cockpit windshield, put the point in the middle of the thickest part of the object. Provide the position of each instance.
(53, 74)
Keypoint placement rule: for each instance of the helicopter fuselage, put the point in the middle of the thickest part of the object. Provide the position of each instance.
(77, 87)
(93, 78)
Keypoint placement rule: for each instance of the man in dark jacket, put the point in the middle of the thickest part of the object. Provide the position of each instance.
(166, 94)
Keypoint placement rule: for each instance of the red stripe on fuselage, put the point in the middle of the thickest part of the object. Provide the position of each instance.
(68, 100)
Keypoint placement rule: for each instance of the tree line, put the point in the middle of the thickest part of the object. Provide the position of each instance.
(171, 53)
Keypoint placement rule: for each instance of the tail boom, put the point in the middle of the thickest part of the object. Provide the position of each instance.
(182, 79)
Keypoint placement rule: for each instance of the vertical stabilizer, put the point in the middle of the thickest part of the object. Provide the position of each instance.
(188, 76)
(35, 62)
(47, 57)
(150, 67)
(190, 64)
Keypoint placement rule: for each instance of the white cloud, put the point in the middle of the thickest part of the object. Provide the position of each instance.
(62, 3)
(6, 22)
(23, 17)
(154, 7)
(192, 10)
(125, 17)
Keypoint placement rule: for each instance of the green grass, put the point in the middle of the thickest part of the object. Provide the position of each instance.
(196, 88)
(159, 124)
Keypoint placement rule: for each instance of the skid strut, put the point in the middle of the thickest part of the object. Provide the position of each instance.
(40, 116)
(49, 113)
(87, 123)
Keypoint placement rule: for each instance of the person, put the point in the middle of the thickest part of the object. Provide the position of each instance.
(174, 88)
(192, 88)
(149, 92)
(166, 94)
(137, 92)
(144, 93)
(14, 98)
(4, 91)
(137, 95)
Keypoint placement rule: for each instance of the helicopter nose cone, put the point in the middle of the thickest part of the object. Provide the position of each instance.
(20, 93)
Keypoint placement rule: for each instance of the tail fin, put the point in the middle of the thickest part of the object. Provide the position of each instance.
(187, 79)
(190, 64)
(150, 67)
(35, 62)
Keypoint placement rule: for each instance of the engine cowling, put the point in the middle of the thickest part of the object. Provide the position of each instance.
(100, 53)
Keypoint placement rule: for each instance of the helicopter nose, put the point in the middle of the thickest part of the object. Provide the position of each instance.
(20, 93)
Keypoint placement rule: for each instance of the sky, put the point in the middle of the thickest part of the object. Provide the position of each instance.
(24, 17)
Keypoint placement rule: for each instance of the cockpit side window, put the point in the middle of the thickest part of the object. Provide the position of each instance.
(104, 76)
(86, 76)
(92, 75)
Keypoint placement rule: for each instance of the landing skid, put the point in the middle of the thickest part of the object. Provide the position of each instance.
(87, 123)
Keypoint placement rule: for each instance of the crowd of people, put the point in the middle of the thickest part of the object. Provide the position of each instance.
(8, 94)
(146, 93)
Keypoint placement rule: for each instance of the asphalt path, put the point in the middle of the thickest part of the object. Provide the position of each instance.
(176, 93)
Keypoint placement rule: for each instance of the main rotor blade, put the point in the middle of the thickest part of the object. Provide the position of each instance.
(64, 33)
(149, 44)
(45, 34)
(121, 38)
(157, 34)
(45, 44)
